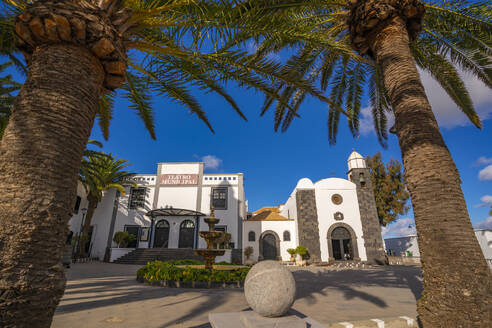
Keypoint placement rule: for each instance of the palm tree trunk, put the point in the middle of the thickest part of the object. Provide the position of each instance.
(87, 224)
(41, 152)
(457, 280)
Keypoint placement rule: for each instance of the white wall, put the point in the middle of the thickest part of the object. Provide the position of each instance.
(326, 209)
(400, 245)
(484, 238)
(178, 197)
(278, 227)
(229, 216)
(134, 217)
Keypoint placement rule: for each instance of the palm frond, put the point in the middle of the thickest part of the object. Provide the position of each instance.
(105, 113)
(447, 76)
(137, 93)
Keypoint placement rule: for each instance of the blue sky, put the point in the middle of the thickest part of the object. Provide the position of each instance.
(272, 163)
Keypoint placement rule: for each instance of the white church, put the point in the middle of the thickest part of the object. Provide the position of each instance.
(335, 219)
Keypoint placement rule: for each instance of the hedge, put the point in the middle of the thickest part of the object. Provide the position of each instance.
(158, 270)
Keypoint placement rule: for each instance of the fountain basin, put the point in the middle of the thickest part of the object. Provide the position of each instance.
(209, 256)
(209, 252)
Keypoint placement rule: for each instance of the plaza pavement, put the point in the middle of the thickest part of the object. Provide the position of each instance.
(105, 295)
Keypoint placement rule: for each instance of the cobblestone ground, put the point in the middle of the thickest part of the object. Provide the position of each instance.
(106, 295)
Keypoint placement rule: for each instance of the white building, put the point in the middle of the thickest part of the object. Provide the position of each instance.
(335, 219)
(406, 245)
(166, 210)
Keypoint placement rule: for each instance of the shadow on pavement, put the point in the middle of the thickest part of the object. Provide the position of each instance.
(108, 289)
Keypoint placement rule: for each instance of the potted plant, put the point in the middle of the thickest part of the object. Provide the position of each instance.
(292, 253)
(248, 251)
(123, 238)
(301, 252)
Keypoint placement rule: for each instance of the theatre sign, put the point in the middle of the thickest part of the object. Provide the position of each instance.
(179, 179)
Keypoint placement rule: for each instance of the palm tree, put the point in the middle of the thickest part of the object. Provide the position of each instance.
(78, 53)
(99, 173)
(7, 86)
(392, 38)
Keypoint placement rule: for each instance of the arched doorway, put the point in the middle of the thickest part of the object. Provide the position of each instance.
(161, 237)
(269, 246)
(342, 243)
(186, 234)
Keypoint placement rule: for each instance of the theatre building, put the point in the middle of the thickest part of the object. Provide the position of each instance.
(166, 211)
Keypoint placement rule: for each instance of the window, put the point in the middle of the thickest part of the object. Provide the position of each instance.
(286, 235)
(219, 198)
(336, 199)
(137, 198)
(251, 236)
(362, 180)
(77, 205)
(338, 216)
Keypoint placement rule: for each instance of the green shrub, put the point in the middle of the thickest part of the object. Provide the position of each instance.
(301, 250)
(123, 238)
(291, 251)
(158, 270)
(185, 262)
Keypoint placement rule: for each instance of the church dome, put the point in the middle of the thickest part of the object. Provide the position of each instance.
(356, 161)
(305, 183)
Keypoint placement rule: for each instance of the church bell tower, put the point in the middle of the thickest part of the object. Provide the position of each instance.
(359, 174)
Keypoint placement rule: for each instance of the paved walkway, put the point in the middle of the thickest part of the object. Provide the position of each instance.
(102, 295)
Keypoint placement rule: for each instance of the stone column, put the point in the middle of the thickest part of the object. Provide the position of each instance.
(371, 228)
(307, 221)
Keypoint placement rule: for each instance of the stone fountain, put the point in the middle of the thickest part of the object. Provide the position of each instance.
(210, 236)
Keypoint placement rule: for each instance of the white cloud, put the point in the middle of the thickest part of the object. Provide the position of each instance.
(487, 199)
(485, 174)
(399, 228)
(366, 122)
(447, 113)
(482, 160)
(211, 162)
(485, 224)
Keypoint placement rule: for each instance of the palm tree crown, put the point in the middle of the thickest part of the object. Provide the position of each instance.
(163, 47)
(99, 172)
(450, 36)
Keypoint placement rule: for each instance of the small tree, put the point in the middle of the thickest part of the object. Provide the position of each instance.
(292, 253)
(123, 238)
(389, 188)
(248, 251)
(301, 251)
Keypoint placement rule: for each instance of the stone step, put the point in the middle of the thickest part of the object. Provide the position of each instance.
(144, 255)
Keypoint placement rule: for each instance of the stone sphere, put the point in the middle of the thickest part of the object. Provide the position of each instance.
(270, 289)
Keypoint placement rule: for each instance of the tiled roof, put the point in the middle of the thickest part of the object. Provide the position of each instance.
(270, 213)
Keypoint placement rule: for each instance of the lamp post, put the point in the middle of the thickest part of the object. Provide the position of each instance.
(84, 211)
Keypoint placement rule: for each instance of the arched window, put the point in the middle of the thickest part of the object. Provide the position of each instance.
(362, 180)
(286, 235)
(161, 234)
(251, 236)
(338, 216)
(186, 234)
(162, 224)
